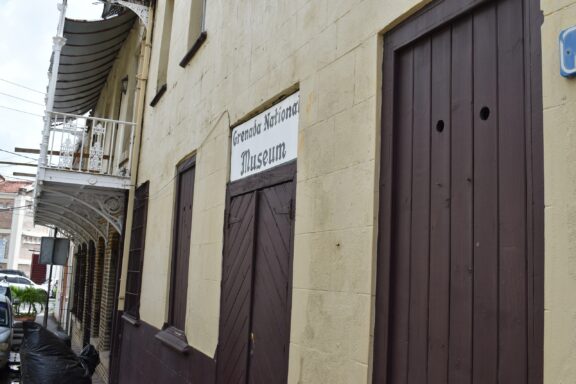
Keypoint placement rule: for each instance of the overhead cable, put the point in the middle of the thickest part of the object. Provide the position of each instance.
(22, 86)
(21, 99)
(18, 110)
(17, 154)
(15, 208)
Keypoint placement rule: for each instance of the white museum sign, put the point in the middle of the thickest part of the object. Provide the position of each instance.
(267, 140)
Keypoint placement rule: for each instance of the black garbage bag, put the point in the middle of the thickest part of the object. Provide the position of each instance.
(47, 360)
(30, 326)
(89, 358)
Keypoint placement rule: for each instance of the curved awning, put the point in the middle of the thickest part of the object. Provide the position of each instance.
(86, 211)
(86, 60)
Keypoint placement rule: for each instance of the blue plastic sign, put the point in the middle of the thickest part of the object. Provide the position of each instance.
(568, 52)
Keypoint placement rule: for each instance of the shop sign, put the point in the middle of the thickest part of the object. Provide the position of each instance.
(267, 140)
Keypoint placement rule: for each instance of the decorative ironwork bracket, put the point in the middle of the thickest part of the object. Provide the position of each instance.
(92, 205)
(140, 10)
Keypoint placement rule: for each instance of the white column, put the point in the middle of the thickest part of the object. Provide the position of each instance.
(16, 229)
(58, 43)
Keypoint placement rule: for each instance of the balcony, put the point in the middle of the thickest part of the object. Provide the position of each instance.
(87, 151)
(84, 165)
(83, 173)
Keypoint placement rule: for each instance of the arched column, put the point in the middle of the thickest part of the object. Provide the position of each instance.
(108, 289)
(97, 287)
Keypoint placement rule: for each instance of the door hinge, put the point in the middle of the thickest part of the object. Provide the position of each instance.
(233, 220)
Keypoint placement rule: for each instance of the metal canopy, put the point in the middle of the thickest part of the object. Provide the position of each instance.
(83, 212)
(86, 60)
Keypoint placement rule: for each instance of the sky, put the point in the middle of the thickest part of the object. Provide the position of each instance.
(26, 31)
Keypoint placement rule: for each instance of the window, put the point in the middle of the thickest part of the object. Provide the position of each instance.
(196, 25)
(181, 247)
(126, 113)
(136, 253)
(79, 282)
(164, 53)
(196, 29)
(4, 315)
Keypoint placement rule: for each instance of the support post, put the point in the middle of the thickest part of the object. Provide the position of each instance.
(58, 43)
(45, 324)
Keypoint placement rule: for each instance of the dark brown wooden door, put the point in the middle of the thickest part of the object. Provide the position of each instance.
(270, 327)
(90, 259)
(181, 256)
(233, 345)
(136, 252)
(256, 282)
(460, 286)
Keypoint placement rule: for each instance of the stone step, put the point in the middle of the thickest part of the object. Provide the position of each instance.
(17, 336)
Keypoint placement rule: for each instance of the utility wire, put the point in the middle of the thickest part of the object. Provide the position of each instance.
(22, 86)
(21, 99)
(15, 178)
(18, 110)
(14, 208)
(17, 154)
(10, 165)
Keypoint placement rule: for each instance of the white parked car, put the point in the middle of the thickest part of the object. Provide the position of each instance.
(20, 282)
(6, 330)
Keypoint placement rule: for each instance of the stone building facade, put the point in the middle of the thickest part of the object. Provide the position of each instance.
(196, 242)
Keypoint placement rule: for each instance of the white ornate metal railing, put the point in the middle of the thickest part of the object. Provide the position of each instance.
(89, 145)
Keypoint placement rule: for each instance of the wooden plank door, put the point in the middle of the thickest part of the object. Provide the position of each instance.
(182, 236)
(270, 326)
(236, 291)
(256, 288)
(455, 256)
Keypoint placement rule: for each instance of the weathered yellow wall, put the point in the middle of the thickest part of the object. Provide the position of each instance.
(255, 51)
(126, 64)
(560, 199)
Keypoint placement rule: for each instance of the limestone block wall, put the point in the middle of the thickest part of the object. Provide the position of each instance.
(113, 105)
(560, 188)
(329, 50)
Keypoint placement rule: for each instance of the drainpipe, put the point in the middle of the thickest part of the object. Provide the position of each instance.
(58, 43)
(142, 84)
(137, 138)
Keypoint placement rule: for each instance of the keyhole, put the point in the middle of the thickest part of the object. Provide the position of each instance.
(485, 113)
(440, 125)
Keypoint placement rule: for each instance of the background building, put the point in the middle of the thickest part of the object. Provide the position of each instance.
(19, 237)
